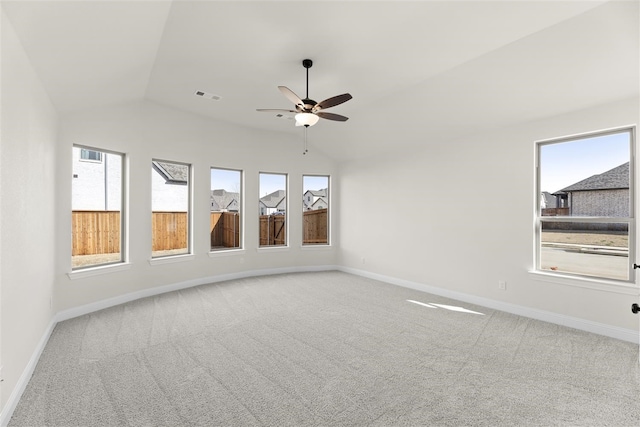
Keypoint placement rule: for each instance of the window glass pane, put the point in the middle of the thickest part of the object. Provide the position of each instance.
(170, 208)
(586, 205)
(273, 209)
(586, 177)
(315, 210)
(225, 198)
(590, 249)
(96, 202)
(86, 154)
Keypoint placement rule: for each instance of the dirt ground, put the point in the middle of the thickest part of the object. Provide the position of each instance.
(587, 238)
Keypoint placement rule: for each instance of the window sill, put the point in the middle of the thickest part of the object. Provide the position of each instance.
(226, 252)
(625, 288)
(98, 270)
(317, 247)
(273, 249)
(171, 259)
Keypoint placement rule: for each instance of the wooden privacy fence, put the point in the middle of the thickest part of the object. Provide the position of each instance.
(555, 211)
(95, 232)
(225, 229)
(98, 232)
(314, 226)
(272, 230)
(170, 230)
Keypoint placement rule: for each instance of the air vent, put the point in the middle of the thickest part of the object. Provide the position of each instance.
(207, 95)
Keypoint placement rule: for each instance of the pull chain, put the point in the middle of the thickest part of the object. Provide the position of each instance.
(306, 150)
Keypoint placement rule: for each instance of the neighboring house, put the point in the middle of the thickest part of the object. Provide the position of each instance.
(96, 184)
(606, 194)
(168, 181)
(273, 203)
(225, 201)
(547, 200)
(315, 199)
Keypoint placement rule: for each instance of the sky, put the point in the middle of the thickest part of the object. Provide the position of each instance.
(564, 164)
(226, 179)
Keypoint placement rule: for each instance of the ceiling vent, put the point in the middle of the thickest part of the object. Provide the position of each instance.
(207, 95)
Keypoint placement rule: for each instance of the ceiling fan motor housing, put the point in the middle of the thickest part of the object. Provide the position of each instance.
(308, 105)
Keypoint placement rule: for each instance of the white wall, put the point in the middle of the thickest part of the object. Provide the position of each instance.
(28, 156)
(147, 131)
(452, 235)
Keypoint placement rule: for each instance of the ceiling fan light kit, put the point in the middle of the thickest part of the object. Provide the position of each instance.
(308, 111)
(306, 119)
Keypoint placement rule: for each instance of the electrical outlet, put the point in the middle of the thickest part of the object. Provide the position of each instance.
(502, 285)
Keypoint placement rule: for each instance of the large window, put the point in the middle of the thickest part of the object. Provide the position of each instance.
(273, 209)
(585, 212)
(170, 208)
(315, 210)
(97, 228)
(225, 201)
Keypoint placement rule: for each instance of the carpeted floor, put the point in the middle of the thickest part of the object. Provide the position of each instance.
(324, 349)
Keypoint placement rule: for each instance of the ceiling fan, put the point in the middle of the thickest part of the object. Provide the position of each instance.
(308, 111)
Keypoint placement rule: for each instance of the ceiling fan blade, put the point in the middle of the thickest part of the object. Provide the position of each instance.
(331, 116)
(275, 110)
(291, 96)
(332, 102)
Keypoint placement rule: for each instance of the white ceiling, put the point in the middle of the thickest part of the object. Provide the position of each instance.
(418, 71)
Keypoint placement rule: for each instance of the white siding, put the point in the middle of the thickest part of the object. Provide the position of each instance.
(167, 197)
(91, 188)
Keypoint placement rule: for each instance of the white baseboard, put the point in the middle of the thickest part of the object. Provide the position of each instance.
(623, 334)
(121, 299)
(21, 385)
(572, 322)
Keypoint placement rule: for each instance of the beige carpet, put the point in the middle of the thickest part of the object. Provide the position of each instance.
(324, 349)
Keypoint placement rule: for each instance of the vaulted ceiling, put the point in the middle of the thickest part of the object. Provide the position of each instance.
(418, 71)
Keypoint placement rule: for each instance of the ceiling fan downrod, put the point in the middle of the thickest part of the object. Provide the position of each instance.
(307, 63)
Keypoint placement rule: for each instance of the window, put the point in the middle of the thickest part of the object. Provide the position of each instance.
(273, 209)
(315, 210)
(170, 208)
(97, 228)
(225, 201)
(585, 212)
(86, 154)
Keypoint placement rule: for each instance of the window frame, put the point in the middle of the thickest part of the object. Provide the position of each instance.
(539, 219)
(328, 243)
(286, 211)
(240, 246)
(84, 149)
(155, 259)
(124, 234)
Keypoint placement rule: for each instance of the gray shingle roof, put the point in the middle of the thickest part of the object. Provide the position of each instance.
(273, 200)
(222, 199)
(172, 172)
(319, 193)
(615, 178)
